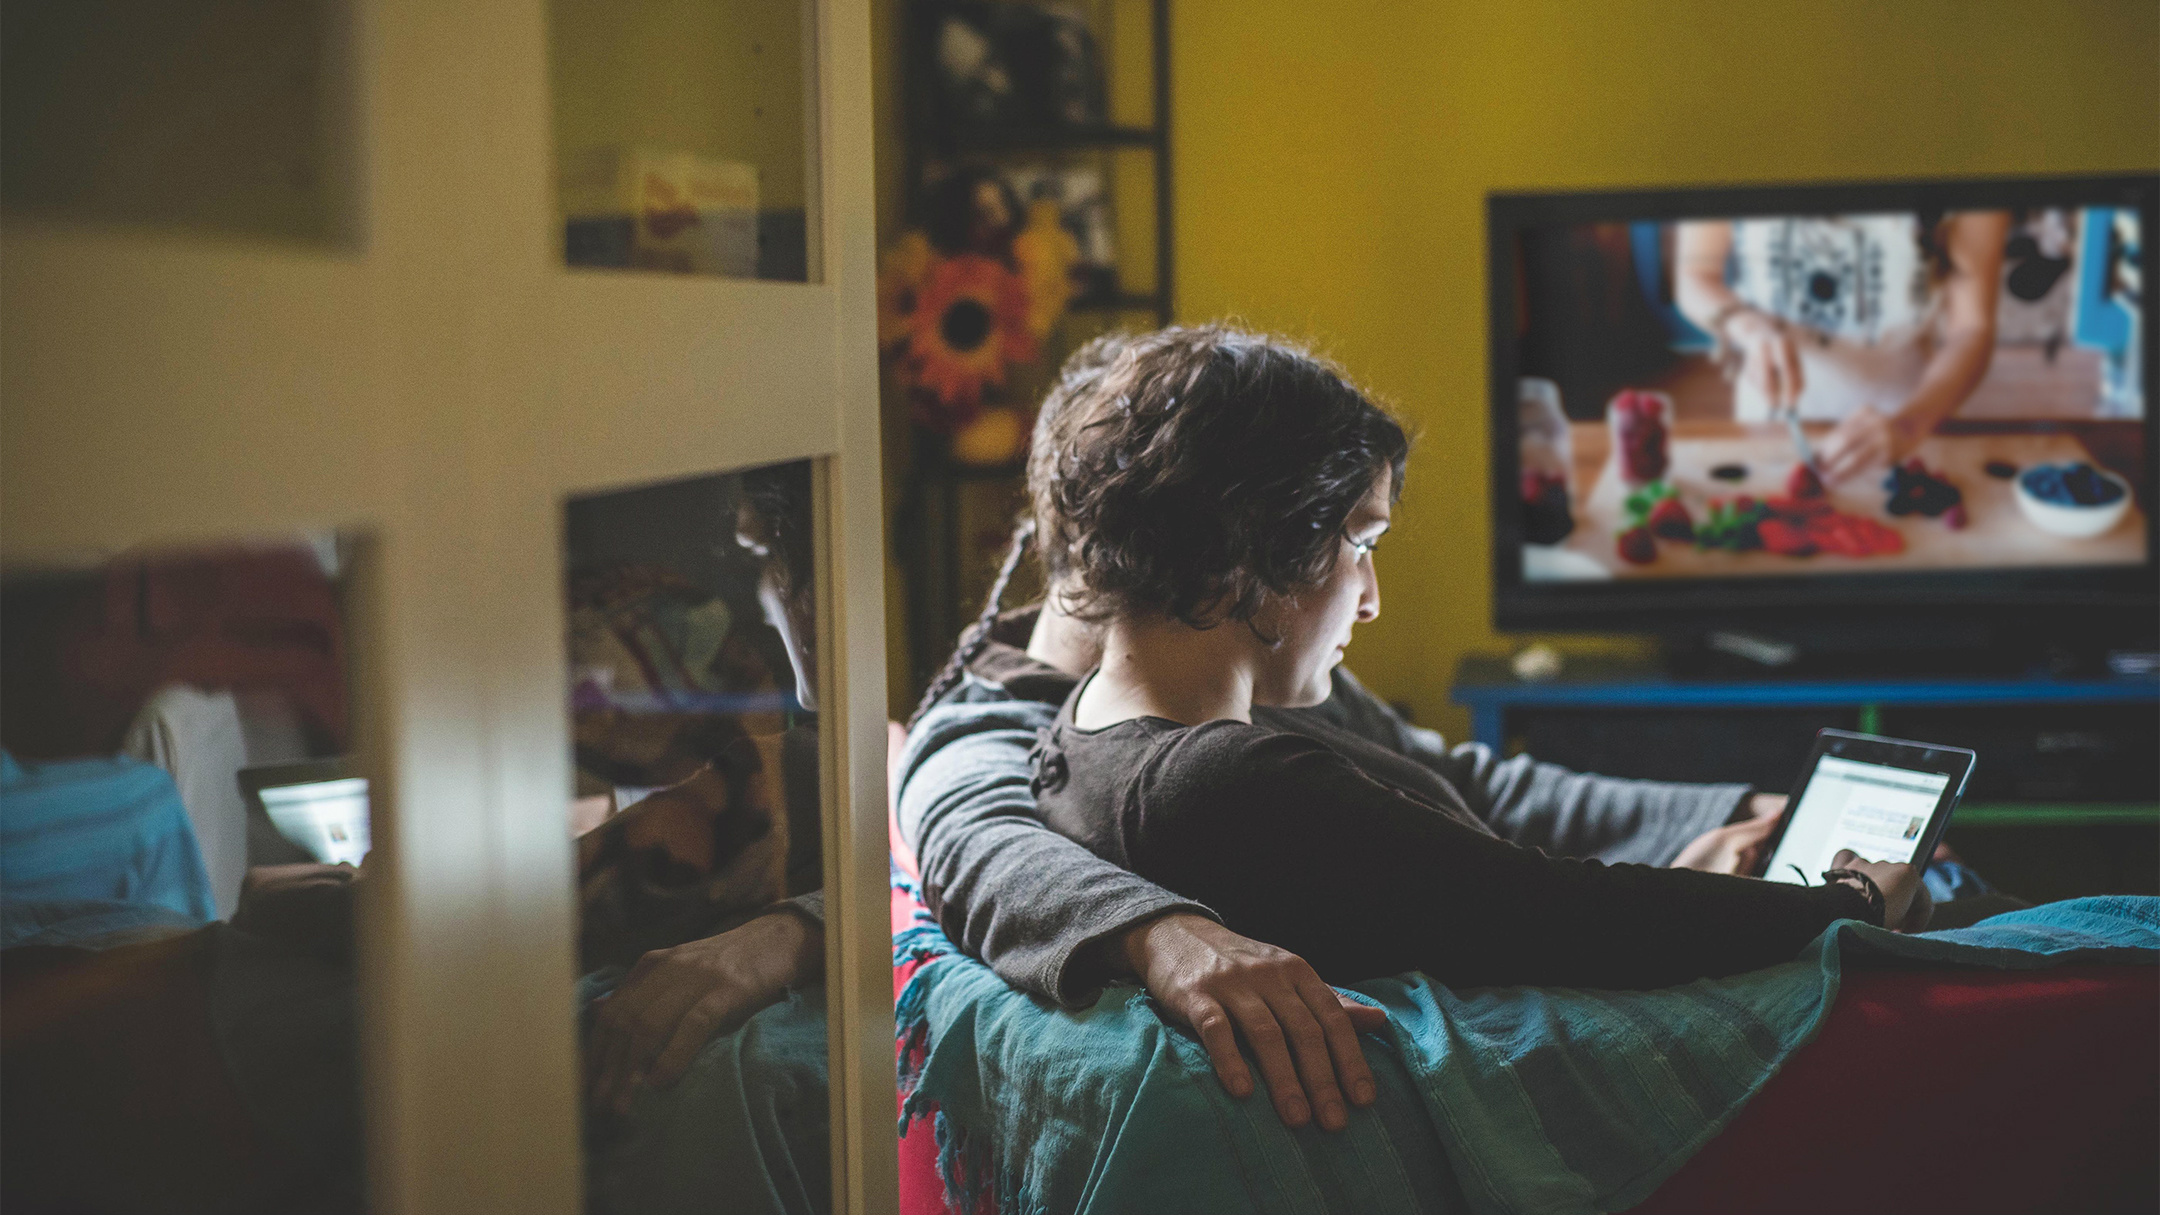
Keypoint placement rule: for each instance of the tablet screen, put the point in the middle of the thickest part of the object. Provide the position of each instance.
(1878, 811)
(327, 818)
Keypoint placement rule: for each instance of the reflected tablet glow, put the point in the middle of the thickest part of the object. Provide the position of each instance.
(316, 804)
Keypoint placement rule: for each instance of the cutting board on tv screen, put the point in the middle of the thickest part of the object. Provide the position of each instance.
(1997, 534)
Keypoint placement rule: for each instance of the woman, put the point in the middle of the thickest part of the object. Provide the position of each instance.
(1883, 323)
(1215, 504)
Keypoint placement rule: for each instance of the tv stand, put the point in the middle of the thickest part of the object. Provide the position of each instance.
(1748, 655)
(2055, 751)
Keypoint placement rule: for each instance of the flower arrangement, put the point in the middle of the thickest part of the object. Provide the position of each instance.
(965, 299)
(970, 321)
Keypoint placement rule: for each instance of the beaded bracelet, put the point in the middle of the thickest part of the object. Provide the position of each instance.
(1868, 889)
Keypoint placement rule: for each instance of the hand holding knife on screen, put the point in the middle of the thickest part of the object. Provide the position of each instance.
(1800, 443)
(1769, 358)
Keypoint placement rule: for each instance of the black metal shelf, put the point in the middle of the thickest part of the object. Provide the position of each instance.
(1067, 139)
(953, 472)
(1121, 301)
(928, 523)
(930, 143)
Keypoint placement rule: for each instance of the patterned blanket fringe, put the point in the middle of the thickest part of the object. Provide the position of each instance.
(969, 1167)
(911, 1032)
(911, 1022)
(967, 1160)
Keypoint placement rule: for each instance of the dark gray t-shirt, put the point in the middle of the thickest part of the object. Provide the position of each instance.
(1032, 903)
(1365, 865)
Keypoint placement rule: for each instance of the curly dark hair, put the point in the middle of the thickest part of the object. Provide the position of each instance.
(1075, 377)
(1202, 470)
(778, 499)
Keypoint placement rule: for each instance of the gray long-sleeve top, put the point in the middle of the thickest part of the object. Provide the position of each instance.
(1033, 904)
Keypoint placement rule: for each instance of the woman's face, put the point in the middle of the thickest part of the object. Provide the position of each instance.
(1314, 625)
(790, 615)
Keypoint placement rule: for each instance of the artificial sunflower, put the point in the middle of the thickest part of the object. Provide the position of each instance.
(901, 271)
(1046, 254)
(970, 321)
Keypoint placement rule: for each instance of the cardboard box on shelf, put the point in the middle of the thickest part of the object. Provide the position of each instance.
(652, 209)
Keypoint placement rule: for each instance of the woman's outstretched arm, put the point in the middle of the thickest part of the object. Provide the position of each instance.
(1538, 804)
(1870, 439)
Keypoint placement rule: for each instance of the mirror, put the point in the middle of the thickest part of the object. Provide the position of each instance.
(693, 676)
(183, 830)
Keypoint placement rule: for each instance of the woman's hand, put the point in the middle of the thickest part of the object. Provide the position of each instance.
(675, 1000)
(1769, 358)
(1907, 905)
(1223, 985)
(1866, 439)
(1734, 848)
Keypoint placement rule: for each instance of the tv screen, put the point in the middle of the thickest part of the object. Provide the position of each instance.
(1713, 405)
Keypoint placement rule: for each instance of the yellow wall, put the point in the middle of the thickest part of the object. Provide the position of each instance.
(720, 78)
(1332, 162)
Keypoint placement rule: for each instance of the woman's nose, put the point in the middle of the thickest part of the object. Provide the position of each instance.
(1368, 606)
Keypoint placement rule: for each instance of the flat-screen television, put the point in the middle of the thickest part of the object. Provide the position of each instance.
(1824, 407)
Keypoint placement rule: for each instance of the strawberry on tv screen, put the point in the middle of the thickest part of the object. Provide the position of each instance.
(1772, 395)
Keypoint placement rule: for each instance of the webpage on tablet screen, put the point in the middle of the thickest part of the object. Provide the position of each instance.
(1877, 811)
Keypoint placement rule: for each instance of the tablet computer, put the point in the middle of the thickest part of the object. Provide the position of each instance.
(318, 805)
(1885, 798)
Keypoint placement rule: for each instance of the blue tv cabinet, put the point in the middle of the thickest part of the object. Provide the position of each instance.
(2053, 752)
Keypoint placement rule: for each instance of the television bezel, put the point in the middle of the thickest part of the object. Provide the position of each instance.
(1772, 603)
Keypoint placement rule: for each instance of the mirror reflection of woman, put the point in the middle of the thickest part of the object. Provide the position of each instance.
(679, 997)
(1884, 324)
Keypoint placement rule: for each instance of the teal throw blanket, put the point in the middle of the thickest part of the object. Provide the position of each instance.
(1529, 1101)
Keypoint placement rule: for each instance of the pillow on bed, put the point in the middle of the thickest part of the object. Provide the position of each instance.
(111, 830)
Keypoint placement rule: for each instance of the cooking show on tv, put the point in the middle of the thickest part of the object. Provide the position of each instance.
(1851, 393)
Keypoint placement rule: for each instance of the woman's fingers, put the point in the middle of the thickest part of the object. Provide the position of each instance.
(1840, 461)
(1754, 834)
(1315, 1064)
(1227, 987)
(707, 1017)
(611, 1049)
(633, 1025)
(1256, 1021)
(654, 1010)
(1862, 441)
(1364, 1018)
(1906, 901)
(1329, 1009)
(1212, 1023)
(1773, 362)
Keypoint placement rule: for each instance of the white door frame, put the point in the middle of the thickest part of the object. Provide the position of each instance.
(444, 384)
